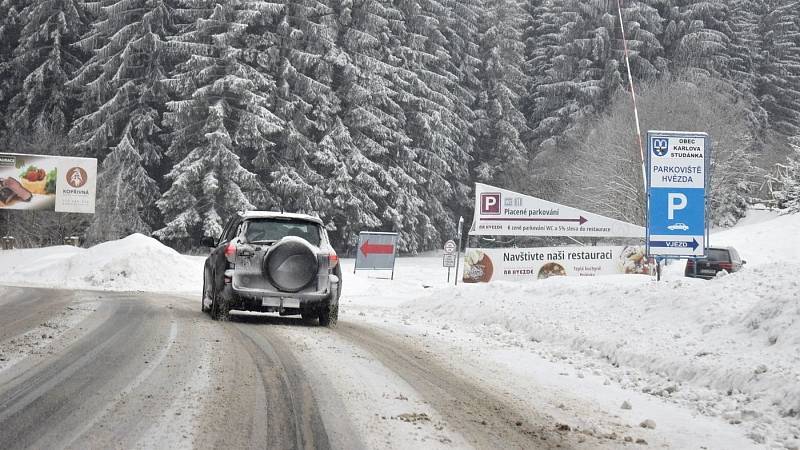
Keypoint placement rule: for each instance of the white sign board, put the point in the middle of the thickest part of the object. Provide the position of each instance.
(503, 212)
(677, 173)
(47, 183)
(376, 251)
(482, 265)
(449, 258)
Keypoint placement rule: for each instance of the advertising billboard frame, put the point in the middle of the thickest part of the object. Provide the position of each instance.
(33, 182)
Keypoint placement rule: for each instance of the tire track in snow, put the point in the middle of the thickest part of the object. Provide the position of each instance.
(293, 419)
(485, 420)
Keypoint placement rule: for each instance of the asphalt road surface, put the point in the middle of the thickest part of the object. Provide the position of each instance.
(136, 370)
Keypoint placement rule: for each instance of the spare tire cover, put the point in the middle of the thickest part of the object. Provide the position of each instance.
(291, 264)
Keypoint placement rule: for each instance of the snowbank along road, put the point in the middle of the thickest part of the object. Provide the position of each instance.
(129, 370)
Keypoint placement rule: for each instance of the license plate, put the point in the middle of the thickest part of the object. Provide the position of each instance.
(270, 301)
(286, 302)
(291, 302)
(709, 271)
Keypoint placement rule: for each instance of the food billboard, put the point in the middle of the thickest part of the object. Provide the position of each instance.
(47, 183)
(482, 265)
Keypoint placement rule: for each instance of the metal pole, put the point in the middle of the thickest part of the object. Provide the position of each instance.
(458, 254)
(647, 201)
(633, 92)
(706, 189)
(394, 256)
(448, 275)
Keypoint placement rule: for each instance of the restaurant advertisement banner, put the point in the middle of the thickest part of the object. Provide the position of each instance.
(47, 183)
(482, 265)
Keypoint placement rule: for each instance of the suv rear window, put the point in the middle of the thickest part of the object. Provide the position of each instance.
(717, 254)
(271, 230)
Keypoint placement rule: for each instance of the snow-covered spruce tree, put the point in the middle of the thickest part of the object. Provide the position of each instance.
(45, 60)
(125, 191)
(697, 35)
(462, 36)
(222, 110)
(369, 83)
(9, 36)
(576, 60)
(368, 190)
(710, 38)
(208, 185)
(441, 138)
(778, 85)
(744, 21)
(297, 37)
(350, 185)
(502, 155)
(786, 182)
(123, 98)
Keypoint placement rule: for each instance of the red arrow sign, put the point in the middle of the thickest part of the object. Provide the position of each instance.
(581, 220)
(376, 249)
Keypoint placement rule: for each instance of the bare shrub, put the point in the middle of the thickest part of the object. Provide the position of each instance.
(606, 173)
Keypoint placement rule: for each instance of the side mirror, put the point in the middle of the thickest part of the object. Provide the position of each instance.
(208, 241)
(744, 261)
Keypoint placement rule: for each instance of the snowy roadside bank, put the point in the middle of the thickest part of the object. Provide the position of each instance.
(135, 263)
(727, 348)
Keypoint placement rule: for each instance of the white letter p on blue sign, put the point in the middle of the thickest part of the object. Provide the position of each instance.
(675, 202)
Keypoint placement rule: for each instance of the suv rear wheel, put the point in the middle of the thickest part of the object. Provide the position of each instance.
(329, 311)
(219, 307)
(329, 314)
(203, 299)
(216, 307)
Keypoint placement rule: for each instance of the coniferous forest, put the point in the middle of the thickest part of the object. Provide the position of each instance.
(381, 114)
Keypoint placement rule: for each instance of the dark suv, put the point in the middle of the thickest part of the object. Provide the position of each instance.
(273, 262)
(716, 260)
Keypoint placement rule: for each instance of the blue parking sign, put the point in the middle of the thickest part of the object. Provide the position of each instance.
(676, 179)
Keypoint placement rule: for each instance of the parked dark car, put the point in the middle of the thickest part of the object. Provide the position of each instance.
(716, 260)
(273, 262)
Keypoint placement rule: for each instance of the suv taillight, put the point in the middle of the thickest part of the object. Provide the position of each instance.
(726, 266)
(333, 259)
(230, 251)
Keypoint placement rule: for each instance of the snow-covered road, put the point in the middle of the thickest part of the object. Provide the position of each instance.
(149, 370)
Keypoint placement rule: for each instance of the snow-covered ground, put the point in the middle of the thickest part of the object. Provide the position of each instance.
(714, 363)
(135, 263)
(727, 348)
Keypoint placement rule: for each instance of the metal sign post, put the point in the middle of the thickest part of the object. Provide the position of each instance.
(449, 257)
(460, 234)
(677, 178)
